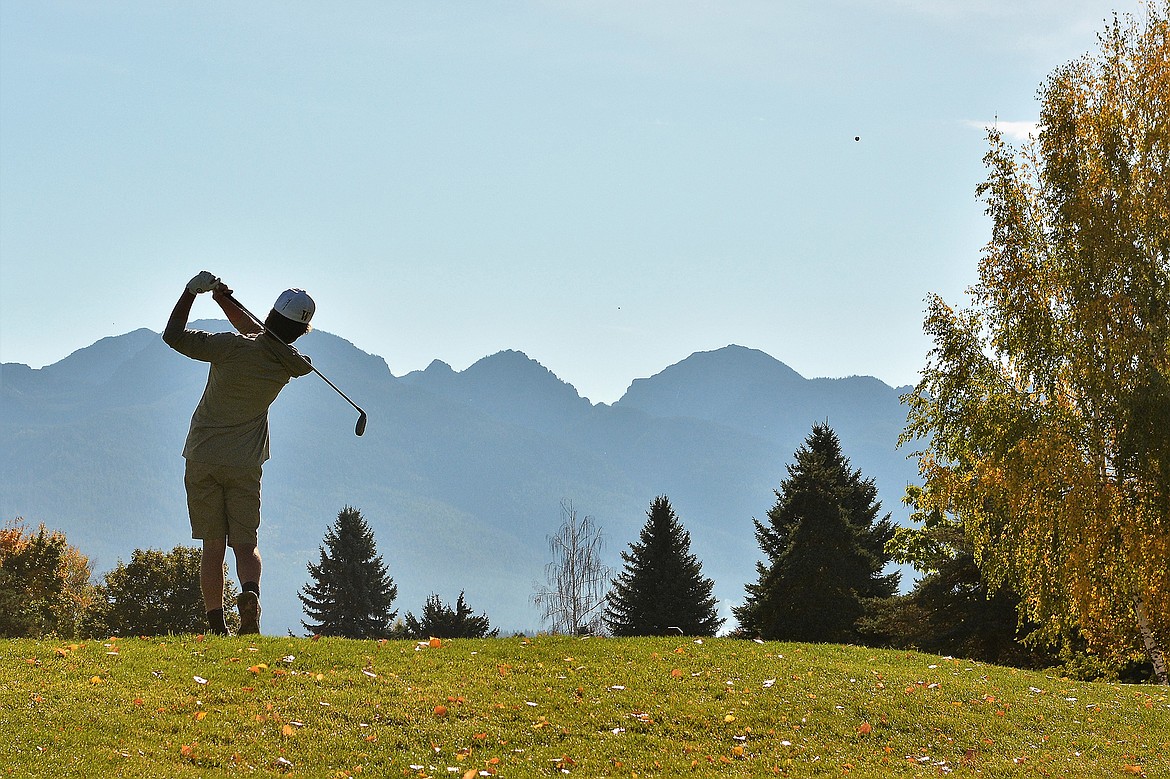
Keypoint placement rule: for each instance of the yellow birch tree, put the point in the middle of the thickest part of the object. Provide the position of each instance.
(1045, 403)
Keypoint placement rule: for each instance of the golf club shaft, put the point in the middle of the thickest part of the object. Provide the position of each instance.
(255, 319)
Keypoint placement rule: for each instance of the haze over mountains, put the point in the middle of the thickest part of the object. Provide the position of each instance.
(460, 474)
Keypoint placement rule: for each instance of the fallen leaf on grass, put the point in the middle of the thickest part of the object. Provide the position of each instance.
(865, 729)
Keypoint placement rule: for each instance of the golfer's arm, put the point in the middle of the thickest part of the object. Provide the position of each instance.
(179, 316)
(241, 321)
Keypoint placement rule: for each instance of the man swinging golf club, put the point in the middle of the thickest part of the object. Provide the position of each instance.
(227, 443)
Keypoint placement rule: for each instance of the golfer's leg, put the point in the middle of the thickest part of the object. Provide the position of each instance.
(243, 507)
(242, 500)
(211, 573)
(248, 563)
(209, 524)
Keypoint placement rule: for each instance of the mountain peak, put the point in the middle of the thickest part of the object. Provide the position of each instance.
(96, 363)
(510, 366)
(509, 385)
(741, 358)
(707, 384)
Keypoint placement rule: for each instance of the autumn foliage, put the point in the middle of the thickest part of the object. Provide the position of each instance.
(1045, 403)
(44, 583)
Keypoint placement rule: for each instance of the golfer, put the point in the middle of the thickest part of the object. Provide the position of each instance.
(227, 444)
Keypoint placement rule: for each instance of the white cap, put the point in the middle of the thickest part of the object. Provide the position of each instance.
(295, 304)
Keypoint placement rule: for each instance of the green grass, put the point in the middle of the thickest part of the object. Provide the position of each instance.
(550, 706)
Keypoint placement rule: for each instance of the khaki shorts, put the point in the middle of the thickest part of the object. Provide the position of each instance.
(224, 502)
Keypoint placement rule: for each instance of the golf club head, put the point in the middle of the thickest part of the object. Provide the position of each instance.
(361, 424)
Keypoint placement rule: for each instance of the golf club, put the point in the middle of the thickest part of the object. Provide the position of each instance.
(361, 423)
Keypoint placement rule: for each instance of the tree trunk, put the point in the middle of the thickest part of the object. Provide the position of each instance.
(1153, 648)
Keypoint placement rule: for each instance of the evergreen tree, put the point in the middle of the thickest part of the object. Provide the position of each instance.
(352, 592)
(661, 589)
(952, 609)
(441, 621)
(824, 546)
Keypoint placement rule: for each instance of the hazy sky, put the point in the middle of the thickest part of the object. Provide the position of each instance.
(607, 186)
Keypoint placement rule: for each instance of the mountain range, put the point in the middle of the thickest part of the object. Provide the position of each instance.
(462, 475)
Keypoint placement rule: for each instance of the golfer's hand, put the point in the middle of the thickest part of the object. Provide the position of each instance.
(204, 281)
(220, 292)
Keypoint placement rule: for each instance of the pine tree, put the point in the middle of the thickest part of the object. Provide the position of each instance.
(953, 610)
(441, 621)
(353, 592)
(824, 547)
(661, 588)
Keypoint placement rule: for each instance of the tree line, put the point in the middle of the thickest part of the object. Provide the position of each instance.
(825, 550)
(46, 590)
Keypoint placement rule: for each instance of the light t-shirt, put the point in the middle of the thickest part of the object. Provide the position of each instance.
(230, 424)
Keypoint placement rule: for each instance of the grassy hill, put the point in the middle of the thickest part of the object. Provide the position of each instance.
(184, 706)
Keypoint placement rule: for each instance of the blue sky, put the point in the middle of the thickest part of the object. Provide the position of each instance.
(606, 186)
